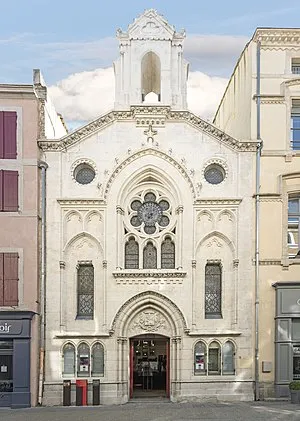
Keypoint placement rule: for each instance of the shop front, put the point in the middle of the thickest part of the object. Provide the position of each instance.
(15, 338)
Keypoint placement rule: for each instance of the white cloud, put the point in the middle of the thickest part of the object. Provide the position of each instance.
(86, 95)
(204, 93)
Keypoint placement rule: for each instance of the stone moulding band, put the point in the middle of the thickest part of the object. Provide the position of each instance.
(152, 112)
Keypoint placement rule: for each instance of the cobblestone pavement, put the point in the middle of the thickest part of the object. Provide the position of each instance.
(158, 411)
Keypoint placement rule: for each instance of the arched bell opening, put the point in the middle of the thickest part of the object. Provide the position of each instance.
(151, 78)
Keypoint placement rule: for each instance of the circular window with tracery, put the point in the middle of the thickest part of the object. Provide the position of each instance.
(150, 214)
(84, 174)
(214, 174)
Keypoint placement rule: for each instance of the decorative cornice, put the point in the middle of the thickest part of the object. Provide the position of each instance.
(224, 333)
(81, 202)
(271, 99)
(81, 337)
(217, 202)
(152, 111)
(278, 37)
(270, 262)
(269, 197)
(149, 277)
(292, 82)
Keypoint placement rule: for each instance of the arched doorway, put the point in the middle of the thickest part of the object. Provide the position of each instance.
(149, 366)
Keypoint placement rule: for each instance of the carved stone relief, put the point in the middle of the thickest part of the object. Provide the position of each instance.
(149, 320)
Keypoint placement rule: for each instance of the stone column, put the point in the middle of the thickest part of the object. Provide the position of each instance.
(179, 212)
(104, 264)
(236, 292)
(119, 236)
(62, 318)
(194, 301)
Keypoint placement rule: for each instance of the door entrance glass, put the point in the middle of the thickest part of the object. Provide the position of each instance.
(6, 366)
(149, 367)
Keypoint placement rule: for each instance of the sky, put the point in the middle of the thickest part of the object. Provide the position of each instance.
(74, 45)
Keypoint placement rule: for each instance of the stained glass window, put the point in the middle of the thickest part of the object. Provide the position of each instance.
(168, 254)
(213, 296)
(131, 254)
(69, 360)
(98, 360)
(85, 292)
(150, 256)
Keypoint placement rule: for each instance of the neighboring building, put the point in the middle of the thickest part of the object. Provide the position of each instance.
(25, 117)
(150, 226)
(272, 58)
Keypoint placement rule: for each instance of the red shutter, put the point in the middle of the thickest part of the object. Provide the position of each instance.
(1, 280)
(1, 190)
(1, 134)
(10, 279)
(10, 135)
(10, 191)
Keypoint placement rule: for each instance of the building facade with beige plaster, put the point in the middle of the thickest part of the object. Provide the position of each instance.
(23, 120)
(262, 103)
(149, 282)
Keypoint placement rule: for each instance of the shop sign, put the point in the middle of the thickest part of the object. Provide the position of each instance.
(10, 327)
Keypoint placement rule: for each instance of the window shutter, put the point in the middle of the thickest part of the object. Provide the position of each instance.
(1, 280)
(1, 190)
(10, 188)
(10, 135)
(1, 134)
(10, 279)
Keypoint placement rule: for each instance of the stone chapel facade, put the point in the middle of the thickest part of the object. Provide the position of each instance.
(149, 282)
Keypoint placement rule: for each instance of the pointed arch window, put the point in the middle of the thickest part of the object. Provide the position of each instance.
(83, 360)
(200, 358)
(131, 254)
(213, 291)
(150, 256)
(168, 254)
(85, 291)
(69, 360)
(214, 358)
(228, 353)
(97, 359)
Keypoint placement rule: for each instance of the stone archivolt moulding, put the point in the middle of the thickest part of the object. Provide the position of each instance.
(149, 277)
(143, 152)
(137, 113)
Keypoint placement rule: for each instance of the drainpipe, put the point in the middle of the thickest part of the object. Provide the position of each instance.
(43, 166)
(257, 190)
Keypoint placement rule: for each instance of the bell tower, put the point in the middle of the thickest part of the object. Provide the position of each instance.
(151, 68)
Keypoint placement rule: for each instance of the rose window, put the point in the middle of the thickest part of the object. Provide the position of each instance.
(150, 215)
